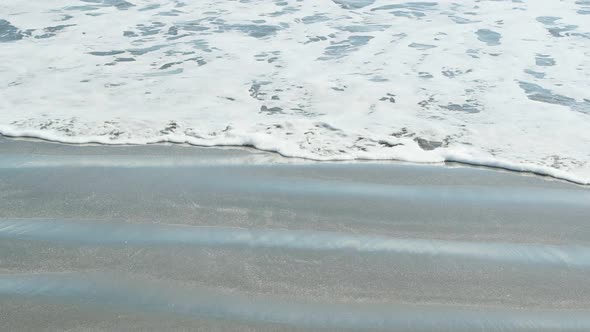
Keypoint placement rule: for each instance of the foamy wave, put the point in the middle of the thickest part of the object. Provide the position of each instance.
(499, 83)
(412, 153)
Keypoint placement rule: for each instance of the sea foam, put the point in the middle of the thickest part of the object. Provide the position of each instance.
(497, 83)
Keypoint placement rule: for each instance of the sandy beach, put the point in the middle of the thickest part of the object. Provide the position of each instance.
(162, 237)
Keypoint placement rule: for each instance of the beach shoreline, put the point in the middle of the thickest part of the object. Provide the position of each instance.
(269, 156)
(239, 239)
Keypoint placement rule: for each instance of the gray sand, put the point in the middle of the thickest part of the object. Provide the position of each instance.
(173, 237)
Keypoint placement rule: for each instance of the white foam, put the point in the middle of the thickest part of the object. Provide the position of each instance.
(317, 79)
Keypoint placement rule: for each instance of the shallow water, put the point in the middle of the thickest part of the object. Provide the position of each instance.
(105, 233)
(168, 237)
(501, 83)
(137, 295)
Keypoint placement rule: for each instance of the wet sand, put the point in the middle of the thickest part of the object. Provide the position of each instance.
(173, 237)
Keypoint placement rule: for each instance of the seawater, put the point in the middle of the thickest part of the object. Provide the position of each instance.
(498, 83)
